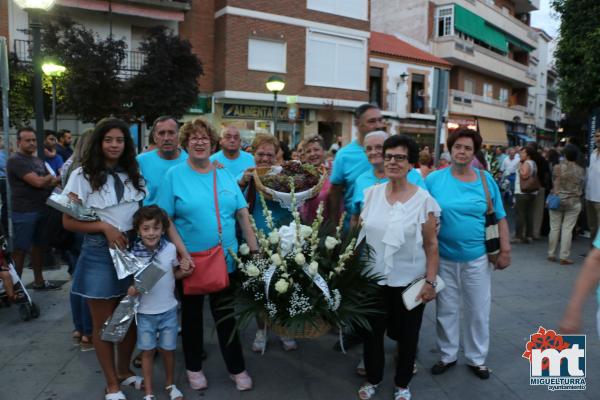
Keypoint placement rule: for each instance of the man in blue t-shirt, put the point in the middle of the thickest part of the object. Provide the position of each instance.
(351, 161)
(230, 156)
(154, 164)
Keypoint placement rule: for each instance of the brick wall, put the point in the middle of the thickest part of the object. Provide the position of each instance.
(296, 9)
(231, 59)
(199, 28)
(4, 19)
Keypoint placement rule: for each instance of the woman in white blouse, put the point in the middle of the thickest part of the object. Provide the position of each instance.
(399, 224)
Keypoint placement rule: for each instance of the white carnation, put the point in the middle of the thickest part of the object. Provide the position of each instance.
(252, 270)
(274, 237)
(300, 260)
(244, 249)
(330, 242)
(282, 286)
(305, 231)
(276, 260)
(313, 268)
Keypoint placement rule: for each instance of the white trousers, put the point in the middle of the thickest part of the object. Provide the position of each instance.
(470, 281)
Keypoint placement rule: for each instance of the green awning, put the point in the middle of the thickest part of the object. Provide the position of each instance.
(520, 44)
(473, 25)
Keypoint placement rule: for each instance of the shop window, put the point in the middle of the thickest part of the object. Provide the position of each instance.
(417, 93)
(376, 86)
(266, 55)
(336, 61)
(330, 131)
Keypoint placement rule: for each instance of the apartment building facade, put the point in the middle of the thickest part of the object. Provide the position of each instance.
(319, 48)
(543, 97)
(401, 83)
(489, 45)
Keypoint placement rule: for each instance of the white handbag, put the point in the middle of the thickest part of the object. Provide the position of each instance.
(409, 295)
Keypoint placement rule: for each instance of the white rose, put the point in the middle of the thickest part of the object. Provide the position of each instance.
(276, 259)
(300, 260)
(252, 270)
(305, 231)
(281, 286)
(330, 242)
(274, 237)
(313, 268)
(244, 249)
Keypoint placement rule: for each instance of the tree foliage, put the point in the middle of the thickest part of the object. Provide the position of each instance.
(578, 54)
(20, 95)
(91, 83)
(167, 82)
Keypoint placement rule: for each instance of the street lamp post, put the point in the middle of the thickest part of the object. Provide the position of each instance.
(275, 84)
(33, 8)
(53, 71)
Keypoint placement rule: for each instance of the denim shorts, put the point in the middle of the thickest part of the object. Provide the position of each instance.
(95, 276)
(29, 229)
(164, 324)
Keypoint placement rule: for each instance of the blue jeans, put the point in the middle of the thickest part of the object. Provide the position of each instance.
(82, 320)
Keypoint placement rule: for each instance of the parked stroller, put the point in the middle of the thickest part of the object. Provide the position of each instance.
(27, 308)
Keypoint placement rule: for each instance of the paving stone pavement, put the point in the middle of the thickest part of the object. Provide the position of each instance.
(39, 362)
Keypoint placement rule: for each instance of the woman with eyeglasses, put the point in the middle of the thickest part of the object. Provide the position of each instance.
(187, 194)
(464, 264)
(265, 155)
(373, 145)
(399, 224)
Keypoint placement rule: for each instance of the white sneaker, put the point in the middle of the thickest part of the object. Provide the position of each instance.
(260, 341)
(288, 344)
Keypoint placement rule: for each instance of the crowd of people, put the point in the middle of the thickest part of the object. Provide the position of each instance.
(194, 189)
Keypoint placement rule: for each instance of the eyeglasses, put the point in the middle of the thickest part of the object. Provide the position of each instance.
(197, 139)
(396, 157)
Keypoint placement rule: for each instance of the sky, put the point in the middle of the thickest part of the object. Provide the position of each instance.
(546, 19)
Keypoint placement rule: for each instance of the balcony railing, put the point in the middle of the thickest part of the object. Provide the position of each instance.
(552, 95)
(469, 98)
(132, 64)
(551, 124)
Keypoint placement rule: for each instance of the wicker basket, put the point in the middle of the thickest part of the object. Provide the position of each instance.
(283, 198)
(308, 331)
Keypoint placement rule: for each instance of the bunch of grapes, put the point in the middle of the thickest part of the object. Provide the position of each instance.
(304, 177)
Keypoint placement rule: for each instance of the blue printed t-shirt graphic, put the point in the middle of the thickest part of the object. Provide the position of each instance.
(369, 179)
(187, 197)
(153, 169)
(235, 167)
(463, 204)
(350, 162)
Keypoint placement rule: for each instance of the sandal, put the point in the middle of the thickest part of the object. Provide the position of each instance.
(134, 381)
(174, 393)
(86, 343)
(115, 396)
(367, 391)
(401, 394)
(76, 336)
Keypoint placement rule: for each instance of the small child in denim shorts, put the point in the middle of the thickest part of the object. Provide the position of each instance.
(157, 323)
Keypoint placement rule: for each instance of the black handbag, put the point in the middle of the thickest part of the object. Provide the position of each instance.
(492, 233)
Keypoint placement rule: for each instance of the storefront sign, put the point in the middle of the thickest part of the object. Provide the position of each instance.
(245, 111)
(454, 123)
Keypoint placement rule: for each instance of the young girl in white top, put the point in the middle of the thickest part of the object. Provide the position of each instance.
(110, 183)
(157, 311)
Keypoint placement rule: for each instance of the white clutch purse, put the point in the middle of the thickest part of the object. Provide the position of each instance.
(409, 295)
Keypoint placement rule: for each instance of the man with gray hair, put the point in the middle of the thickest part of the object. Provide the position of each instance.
(231, 156)
(154, 164)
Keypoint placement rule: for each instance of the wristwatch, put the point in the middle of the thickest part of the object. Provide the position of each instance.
(432, 283)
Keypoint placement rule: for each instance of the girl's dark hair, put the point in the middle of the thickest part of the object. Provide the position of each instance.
(553, 157)
(94, 168)
(403, 141)
(149, 213)
(464, 132)
(571, 152)
(480, 156)
(531, 153)
(287, 153)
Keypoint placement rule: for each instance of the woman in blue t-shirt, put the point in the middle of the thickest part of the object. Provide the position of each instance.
(187, 195)
(463, 260)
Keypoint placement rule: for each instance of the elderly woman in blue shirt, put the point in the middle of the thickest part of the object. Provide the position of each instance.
(187, 195)
(464, 265)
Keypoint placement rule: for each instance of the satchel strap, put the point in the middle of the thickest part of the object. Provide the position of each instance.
(217, 204)
(488, 198)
